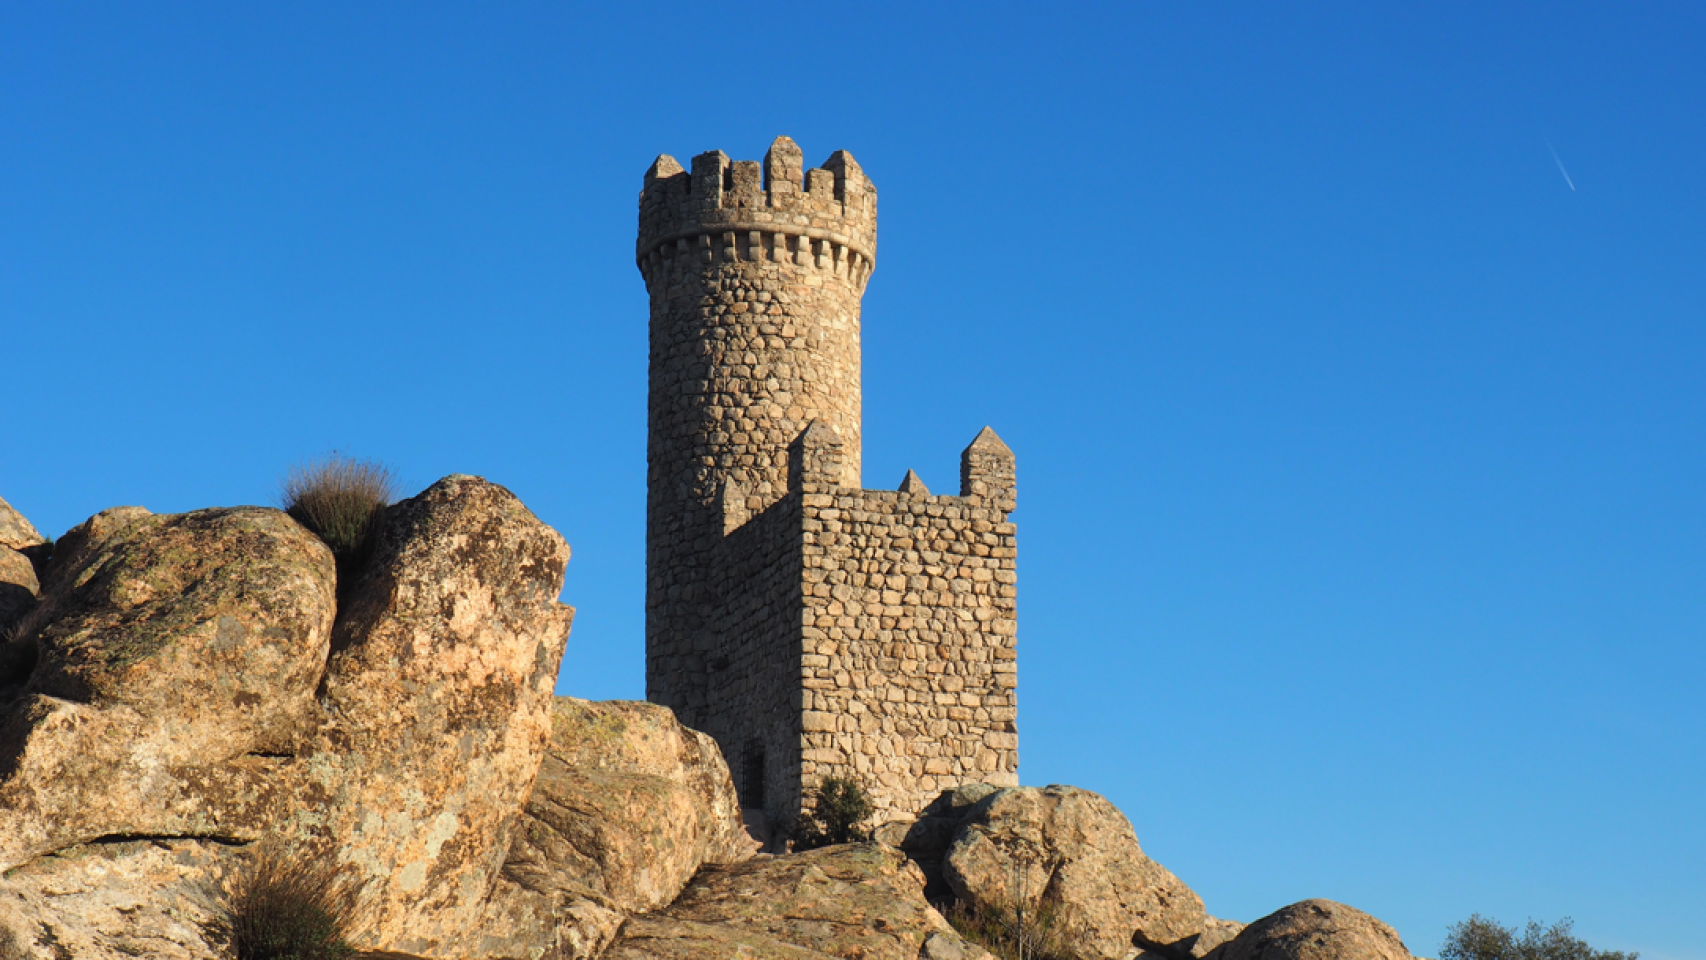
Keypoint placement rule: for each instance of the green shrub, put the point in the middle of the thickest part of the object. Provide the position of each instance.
(341, 500)
(291, 908)
(1479, 938)
(839, 806)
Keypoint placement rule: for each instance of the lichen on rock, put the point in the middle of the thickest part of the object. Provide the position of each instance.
(177, 654)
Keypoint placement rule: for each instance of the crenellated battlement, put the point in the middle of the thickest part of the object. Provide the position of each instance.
(777, 211)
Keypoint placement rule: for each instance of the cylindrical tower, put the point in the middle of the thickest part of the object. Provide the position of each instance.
(755, 272)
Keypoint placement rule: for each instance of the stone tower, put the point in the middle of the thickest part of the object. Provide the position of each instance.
(812, 627)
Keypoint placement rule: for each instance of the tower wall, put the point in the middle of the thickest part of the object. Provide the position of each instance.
(812, 627)
(755, 274)
(909, 672)
(752, 666)
(866, 633)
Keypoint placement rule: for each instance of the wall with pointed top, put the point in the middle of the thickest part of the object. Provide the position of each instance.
(864, 633)
(909, 665)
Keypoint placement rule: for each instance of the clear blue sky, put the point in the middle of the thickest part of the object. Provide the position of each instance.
(1362, 541)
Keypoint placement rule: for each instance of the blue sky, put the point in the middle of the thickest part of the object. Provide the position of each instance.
(1362, 537)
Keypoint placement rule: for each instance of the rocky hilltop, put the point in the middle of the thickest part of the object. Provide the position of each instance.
(182, 695)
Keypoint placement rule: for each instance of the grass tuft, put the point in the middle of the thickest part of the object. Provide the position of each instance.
(9, 949)
(18, 649)
(340, 500)
(292, 908)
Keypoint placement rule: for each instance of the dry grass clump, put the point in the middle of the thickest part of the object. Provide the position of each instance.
(292, 907)
(18, 650)
(340, 499)
(9, 949)
(1012, 932)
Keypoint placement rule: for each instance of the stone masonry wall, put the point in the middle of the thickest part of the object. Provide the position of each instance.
(866, 633)
(752, 659)
(755, 274)
(910, 669)
(812, 627)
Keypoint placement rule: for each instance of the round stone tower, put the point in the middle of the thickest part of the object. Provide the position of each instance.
(755, 272)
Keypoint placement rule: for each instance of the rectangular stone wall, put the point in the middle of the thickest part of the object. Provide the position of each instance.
(863, 633)
(751, 657)
(908, 666)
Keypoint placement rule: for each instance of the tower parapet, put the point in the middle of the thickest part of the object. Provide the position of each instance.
(987, 472)
(815, 460)
(776, 211)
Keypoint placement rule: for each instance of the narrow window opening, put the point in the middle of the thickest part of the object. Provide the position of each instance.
(752, 776)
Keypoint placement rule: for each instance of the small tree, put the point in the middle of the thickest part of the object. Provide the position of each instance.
(1010, 932)
(1479, 938)
(1021, 925)
(839, 806)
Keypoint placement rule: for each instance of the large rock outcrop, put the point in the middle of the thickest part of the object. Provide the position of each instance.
(1316, 930)
(861, 900)
(437, 702)
(200, 681)
(629, 804)
(177, 657)
(193, 688)
(1071, 850)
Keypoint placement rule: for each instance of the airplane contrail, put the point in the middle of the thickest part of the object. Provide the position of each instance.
(1560, 164)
